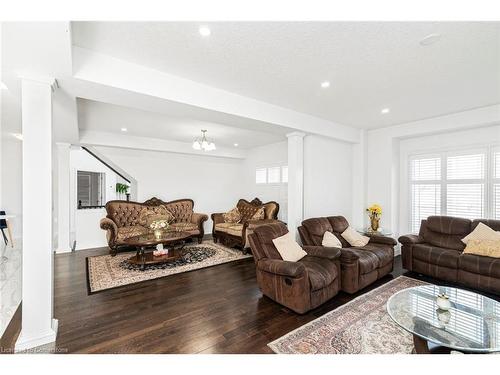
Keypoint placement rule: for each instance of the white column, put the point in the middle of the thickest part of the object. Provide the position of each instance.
(295, 180)
(63, 198)
(359, 204)
(38, 326)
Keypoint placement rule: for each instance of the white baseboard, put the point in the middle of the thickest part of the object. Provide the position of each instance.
(24, 342)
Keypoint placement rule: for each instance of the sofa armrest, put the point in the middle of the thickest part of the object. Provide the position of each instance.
(112, 231)
(348, 256)
(217, 218)
(383, 240)
(331, 253)
(198, 219)
(410, 239)
(252, 224)
(281, 267)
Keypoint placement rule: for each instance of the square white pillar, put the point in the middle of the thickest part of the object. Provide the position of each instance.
(38, 326)
(295, 180)
(63, 198)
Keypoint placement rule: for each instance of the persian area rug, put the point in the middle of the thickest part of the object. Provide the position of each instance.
(361, 326)
(107, 272)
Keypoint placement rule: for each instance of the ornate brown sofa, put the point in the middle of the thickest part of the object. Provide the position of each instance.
(231, 234)
(122, 220)
(300, 286)
(437, 251)
(361, 266)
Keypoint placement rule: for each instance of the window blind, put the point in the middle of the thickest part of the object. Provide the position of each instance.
(273, 175)
(496, 185)
(261, 175)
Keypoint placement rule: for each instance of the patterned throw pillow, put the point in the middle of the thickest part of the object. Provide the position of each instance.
(485, 248)
(232, 216)
(150, 214)
(259, 215)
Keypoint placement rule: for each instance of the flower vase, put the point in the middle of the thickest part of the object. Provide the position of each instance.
(158, 233)
(374, 223)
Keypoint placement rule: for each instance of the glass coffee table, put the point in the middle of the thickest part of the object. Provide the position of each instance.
(174, 241)
(471, 325)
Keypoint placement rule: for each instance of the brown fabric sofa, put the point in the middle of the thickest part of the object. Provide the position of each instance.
(236, 234)
(361, 266)
(437, 251)
(122, 220)
(300, 286)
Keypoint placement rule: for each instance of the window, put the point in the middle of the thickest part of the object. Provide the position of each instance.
(453, 184)
(284, 174)
(261, 176)
(271, 175)
(90, 189)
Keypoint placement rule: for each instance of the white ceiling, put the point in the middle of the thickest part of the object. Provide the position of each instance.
(110, 118)
(371, 65)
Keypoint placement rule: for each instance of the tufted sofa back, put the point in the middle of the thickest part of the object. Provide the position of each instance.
(248, 209)
(125, 213)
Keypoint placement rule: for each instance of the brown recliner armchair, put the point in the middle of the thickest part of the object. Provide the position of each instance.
(300, 286)
(361, 266)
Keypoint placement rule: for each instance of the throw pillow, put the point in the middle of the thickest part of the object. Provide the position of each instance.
(481, 232)
(233, 216)
(259, 215)
(485, 248)
(331, 240)
(149, 214)
(288, 248)
(354, 238)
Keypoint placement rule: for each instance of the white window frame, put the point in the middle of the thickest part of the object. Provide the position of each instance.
(267, 168)
(488, 179)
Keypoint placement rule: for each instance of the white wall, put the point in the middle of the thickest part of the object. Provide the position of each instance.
(327, 177)
(84, 224)
(215, 184)
(386, 147)
(272, 155)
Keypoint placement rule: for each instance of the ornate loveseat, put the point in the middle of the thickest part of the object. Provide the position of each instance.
(236, 234)
(122, 219)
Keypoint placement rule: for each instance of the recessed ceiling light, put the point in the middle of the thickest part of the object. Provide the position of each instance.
(385, 111)
(124, 129)
(430, 39)
(18, 136)
(204, 31)
(325, 84)
(235, 145)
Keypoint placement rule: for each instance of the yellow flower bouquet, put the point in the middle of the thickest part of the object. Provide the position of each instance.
(374, 212)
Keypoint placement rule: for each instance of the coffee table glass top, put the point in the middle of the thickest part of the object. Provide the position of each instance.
(472, 324)
(150, 238)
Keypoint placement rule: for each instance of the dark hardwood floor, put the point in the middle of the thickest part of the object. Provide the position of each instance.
(213, 310)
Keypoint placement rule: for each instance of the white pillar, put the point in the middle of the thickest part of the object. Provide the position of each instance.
(63, 198)
(359, 204)
(38, 326)
(295, 180)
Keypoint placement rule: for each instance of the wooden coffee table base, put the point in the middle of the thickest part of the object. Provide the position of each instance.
(144, 258)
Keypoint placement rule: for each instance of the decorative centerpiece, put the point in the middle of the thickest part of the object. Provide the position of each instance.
(443, 302)
(374, 213)
(158, 226)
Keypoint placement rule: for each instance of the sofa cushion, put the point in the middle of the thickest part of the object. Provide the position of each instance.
(131, 231)
(486, 248)
(330, 240)
(384, 253)
(265, 235)
(316, 228)
(149, 214)
(260, 214)
(321, 273)
(493, 224)
(436, 255)
(481, 232)
(354, 238)
(367, 260)
(480, 265)
(230, 228)
(232, 216)
(288, 248)
(446, 231)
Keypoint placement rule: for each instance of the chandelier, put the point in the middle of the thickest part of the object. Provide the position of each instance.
(202, 143)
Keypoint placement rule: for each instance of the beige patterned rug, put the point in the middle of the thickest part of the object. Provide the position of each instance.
(107, 272)
(361, 326)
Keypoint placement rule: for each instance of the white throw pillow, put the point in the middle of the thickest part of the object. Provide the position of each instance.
(482, 232)
(288, 248)
(331, 240)
(354, 238)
